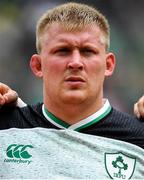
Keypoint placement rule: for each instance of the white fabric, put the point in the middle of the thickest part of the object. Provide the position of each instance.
(66, 154)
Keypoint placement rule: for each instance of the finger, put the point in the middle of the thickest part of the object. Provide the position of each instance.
(140, 106)
(3, 88)
(10, 97)
(2, 100)
(136, 111)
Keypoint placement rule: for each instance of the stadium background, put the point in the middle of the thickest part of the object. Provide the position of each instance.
(17, 44)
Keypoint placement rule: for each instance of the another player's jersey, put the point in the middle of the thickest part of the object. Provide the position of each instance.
(45, 153)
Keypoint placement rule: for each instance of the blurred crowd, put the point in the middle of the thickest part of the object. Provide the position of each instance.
(17, 43)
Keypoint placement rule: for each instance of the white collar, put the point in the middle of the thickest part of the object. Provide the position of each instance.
(94, 118)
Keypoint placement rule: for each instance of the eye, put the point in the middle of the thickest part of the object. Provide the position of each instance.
(62, 51)
(88, 51)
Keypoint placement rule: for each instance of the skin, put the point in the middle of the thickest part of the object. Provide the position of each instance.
(73, 66)
(73, 98)
(139, 107)
(7, 95)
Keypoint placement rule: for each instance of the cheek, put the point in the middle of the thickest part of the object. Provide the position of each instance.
(96, 75)
(53, 68)
(97, 68)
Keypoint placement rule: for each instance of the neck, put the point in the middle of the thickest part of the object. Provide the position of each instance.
(73, 113)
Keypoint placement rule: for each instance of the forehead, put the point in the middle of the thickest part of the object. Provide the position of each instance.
(56, 33)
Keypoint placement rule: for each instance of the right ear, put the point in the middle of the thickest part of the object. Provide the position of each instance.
(35, 64)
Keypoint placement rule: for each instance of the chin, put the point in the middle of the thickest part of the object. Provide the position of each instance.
(74, 98)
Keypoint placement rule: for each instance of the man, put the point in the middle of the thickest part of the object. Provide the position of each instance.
(82, 137)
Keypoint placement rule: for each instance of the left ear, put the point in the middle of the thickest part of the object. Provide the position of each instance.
(110, 64)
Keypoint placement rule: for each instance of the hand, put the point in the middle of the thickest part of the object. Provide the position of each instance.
(139, 107)
(7, 95)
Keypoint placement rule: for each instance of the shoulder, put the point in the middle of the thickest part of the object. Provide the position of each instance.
(122, 117)
(126, 121)
(127, 124)
(20, 117)
(31, 111)
(121, 126)
(15, 110)
(36, 108)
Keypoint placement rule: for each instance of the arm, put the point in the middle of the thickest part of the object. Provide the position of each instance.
(139, 107)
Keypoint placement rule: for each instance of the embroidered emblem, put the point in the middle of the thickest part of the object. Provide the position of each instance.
(119, 165)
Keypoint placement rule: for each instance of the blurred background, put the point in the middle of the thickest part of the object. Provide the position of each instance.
(17, 43)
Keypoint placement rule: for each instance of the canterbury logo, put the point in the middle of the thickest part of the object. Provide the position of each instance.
(18, 151)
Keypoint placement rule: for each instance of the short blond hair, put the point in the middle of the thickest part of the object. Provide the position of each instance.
(73, 17)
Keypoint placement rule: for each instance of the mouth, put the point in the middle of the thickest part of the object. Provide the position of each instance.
(75, 79)
(75, 82)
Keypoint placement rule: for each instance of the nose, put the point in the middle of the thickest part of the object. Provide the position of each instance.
(75, 61)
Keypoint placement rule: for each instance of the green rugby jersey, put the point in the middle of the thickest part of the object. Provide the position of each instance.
(41, 153)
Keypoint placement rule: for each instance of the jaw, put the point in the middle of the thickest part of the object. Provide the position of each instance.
(73, 96)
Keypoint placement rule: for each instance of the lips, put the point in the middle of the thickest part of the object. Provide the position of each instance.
(75, 79)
